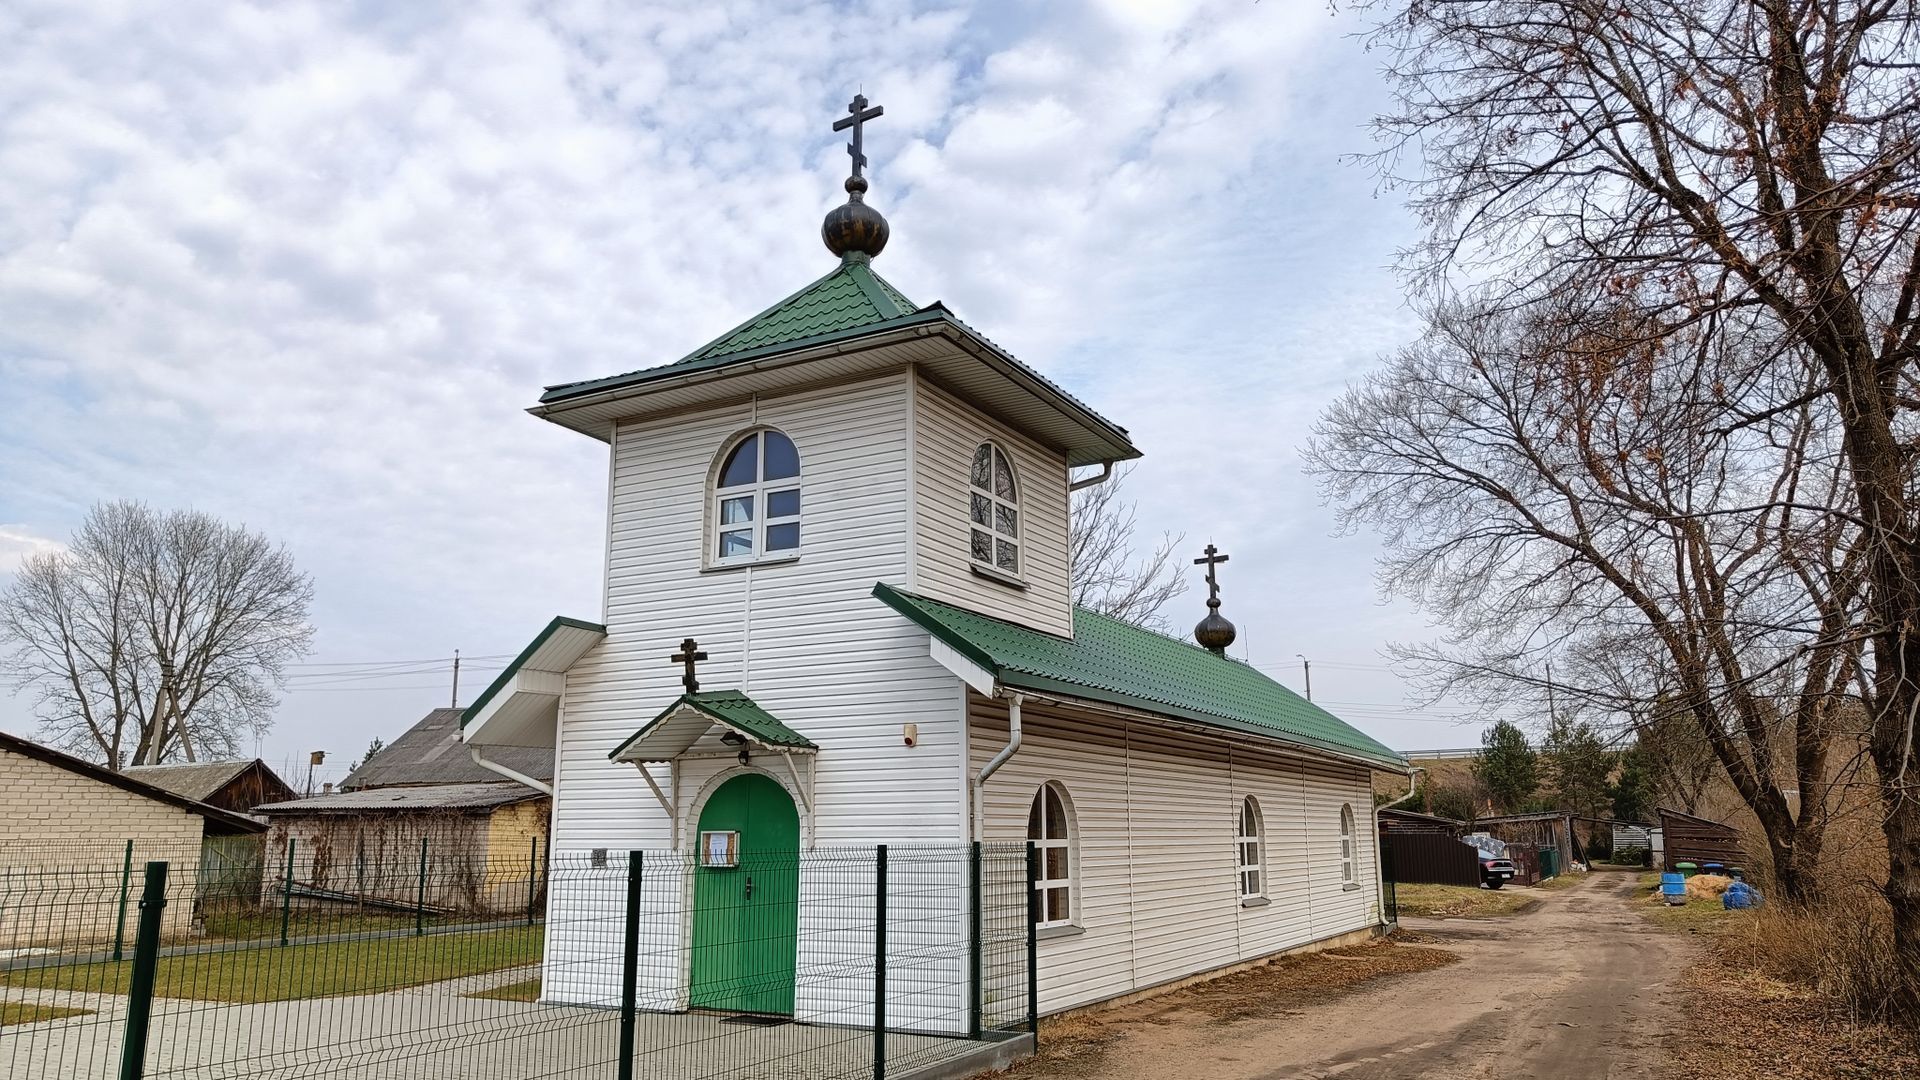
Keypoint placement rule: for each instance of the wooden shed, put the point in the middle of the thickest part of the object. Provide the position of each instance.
(238, 786)
(1528, 833)
(1698, 841)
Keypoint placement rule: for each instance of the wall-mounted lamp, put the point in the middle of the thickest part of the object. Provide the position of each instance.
(734, 738)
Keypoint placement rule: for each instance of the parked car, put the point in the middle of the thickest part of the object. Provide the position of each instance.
(1496, 868)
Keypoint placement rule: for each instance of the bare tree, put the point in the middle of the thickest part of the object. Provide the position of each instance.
(1553, 490)
(1744, 166)
(1106, 576)
(154, 635)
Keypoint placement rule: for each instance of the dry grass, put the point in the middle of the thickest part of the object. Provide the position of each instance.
(1074, 1045)
(1699, 915)
(1560, 881)
(19, 1012)
(1457, 901)
(1738, 1025)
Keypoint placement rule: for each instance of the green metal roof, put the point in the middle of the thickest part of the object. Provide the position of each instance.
(732, 708)
(1120, 664)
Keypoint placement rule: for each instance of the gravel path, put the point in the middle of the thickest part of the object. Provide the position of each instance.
(1568, 990)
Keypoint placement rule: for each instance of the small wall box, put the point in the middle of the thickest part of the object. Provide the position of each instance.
(720, 850)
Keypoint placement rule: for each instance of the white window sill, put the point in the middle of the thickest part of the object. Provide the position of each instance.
(742, 564)
(997, 575)
(1254, 901)
(1048, 933)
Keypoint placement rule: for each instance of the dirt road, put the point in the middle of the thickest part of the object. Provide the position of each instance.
(1569, 991)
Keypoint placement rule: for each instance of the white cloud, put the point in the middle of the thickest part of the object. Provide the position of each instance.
(305, 265)
(17, 545)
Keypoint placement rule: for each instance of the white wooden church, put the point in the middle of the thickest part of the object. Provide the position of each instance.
(858, 506)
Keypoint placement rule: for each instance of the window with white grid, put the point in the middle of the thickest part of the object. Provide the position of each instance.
(756, 500)
(1250, 843)
(1050, 827)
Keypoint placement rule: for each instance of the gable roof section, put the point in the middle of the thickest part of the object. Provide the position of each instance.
(78, 766)
(198, 781)
(430, 752)
(666, 737)
(1120, 664)
(520, 706)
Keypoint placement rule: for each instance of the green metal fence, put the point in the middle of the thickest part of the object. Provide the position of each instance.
(874, 962)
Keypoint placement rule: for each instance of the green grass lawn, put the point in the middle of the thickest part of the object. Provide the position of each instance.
(1446, 901)
(528, 990)
(325, 969)
(17, 1012)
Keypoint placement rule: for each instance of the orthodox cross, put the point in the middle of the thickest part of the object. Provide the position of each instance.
(859, 115)
(1210, 560)
(690, 653)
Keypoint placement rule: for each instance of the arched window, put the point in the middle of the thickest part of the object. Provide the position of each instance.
(1050, 827)
(756, 500)
(993, 507)
(1250, 844)
(1346, 843)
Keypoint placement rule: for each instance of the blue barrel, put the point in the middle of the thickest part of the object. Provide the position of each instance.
(1673, 888)
(1713, 868)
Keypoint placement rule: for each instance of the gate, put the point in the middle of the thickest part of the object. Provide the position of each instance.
(1430, 859)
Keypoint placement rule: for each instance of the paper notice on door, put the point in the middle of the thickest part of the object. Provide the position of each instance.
(720, 848)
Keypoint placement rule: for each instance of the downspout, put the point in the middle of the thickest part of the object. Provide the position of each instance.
(993, 766)
(1379, 872)
(1106, 470)
(494, 766)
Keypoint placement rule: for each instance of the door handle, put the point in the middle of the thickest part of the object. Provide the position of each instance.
(749, 886)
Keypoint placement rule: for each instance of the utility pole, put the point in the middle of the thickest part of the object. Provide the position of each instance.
(1306, 667)
(455, 703)
(1552, 714)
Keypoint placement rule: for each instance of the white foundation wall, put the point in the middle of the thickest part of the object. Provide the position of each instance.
(805, 639)
(1156, 881)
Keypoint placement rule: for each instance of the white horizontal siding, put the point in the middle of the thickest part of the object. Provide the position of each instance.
(946, 432)
(805, 639)
(1158, 895)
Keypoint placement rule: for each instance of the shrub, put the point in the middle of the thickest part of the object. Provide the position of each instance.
(1841, 947)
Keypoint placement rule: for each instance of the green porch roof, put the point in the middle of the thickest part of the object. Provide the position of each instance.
(728, 707)
(1120, 664)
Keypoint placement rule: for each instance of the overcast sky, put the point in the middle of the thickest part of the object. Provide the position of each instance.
(304, 267)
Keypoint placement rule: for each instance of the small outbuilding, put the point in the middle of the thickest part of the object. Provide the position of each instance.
(419, 819)
(91, 828)
(1526, 835)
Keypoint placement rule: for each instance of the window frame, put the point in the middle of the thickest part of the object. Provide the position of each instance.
(1348, 842)
(759, 492)
(1069, 843)
(996, 455)
(1257, 841)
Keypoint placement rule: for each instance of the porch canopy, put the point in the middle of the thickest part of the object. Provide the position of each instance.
(742, 725)
(521, 707)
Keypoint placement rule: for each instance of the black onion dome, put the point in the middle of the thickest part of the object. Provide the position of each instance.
(1215, 632)
(853, 225)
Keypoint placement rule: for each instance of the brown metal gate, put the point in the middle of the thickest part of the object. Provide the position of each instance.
(1431, 859)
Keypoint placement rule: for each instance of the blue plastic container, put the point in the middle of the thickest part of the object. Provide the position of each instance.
(1673, 888)
(1713, 868)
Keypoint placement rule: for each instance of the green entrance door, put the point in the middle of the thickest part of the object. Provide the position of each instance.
(745, 917)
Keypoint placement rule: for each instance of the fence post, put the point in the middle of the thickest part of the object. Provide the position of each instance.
(977, 991)
(533, 873)
(1033, 945)
(420, 896)
(880, 962)
(630, 966)
(146, 952)
(286, 894)
(126, 883)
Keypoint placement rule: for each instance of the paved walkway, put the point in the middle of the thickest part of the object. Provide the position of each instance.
(432, 1032)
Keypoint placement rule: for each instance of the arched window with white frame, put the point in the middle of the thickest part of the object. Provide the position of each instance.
(756, 500)
(993, 512)
(1250, 850)
(1346, 843)
(1051, 827)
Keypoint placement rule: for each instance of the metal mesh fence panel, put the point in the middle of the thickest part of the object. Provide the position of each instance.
(492, 969)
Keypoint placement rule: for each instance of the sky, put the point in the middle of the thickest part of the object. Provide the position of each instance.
(304, 267)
